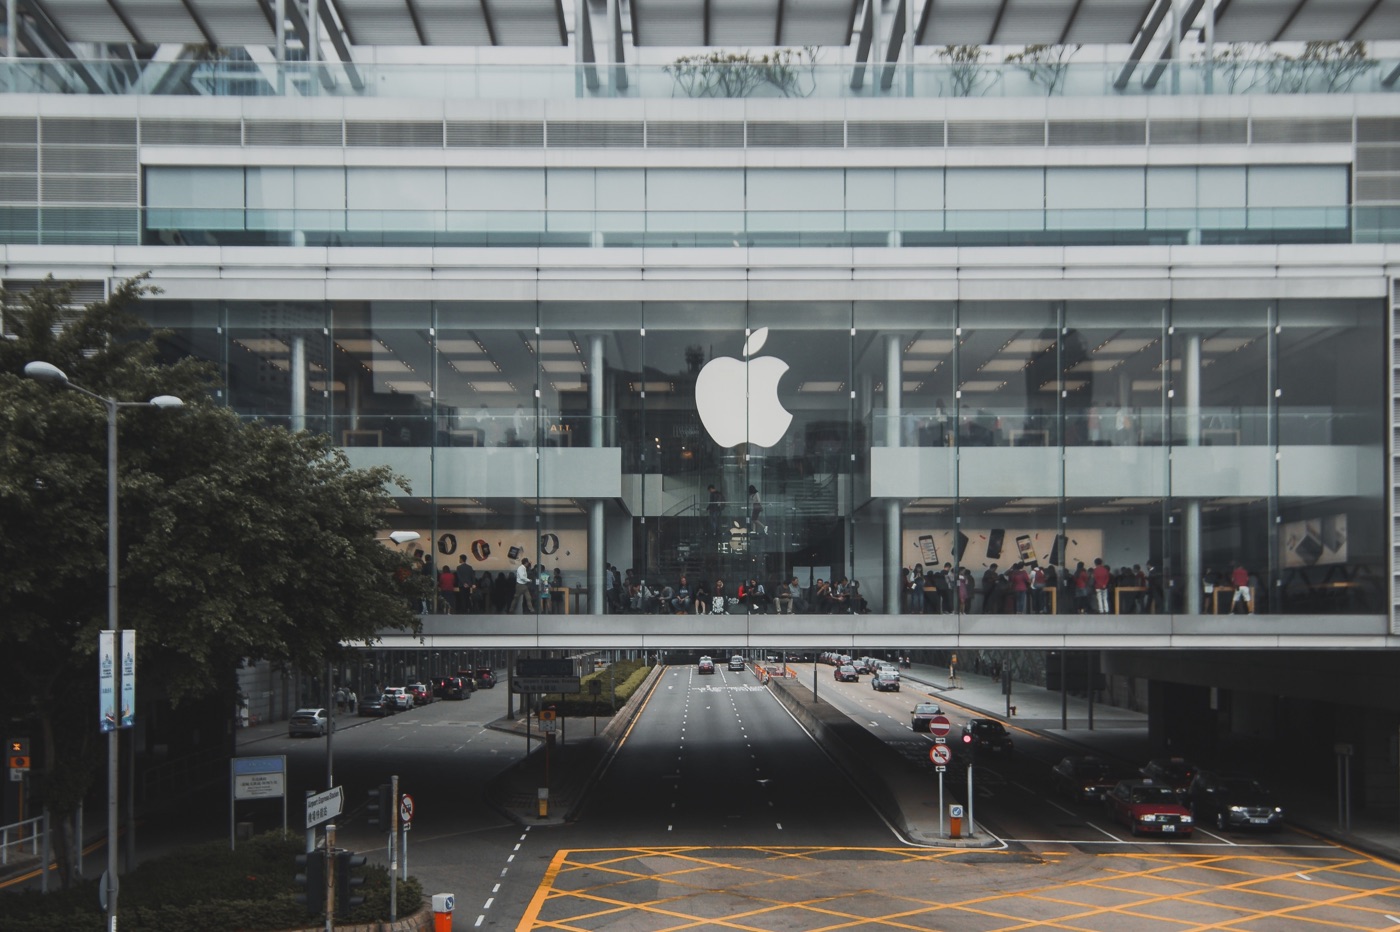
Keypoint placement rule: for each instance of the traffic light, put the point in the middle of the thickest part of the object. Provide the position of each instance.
(313, 879)
(381, 805)
(349, 877)
(970, 747)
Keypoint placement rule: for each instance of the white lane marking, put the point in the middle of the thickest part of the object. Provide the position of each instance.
(479, 920)
(510, 858)
(522, 837)
(668, 828)
(1392, 918)
(1104, 830)
(496, 888)
(489, 901)
(1221, 838)
(1304, 876)
(516, 848)
(780, 825)
(503, 871)
(1061, 808)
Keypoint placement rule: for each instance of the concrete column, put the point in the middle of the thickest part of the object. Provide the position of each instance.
(894, 389)
(595, 391)
(595, 557)
(298, 377)
(1191, 528)
(894, 578)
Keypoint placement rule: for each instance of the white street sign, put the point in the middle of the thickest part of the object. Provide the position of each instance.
(324, 806)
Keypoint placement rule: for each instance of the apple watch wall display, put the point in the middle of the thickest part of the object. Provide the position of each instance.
(727, 385)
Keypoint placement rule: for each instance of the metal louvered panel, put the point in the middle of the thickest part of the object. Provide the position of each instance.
(406, 134)
(1276, 132)
(1098, 133)
(527, 22)
(573, 134)
(84, 292)
(105, 160)
(1378, 129)
(1378, 188)
(292, 133)
(1198, 132)
(191, 133)
(815, 134)
(448, 22)
(497, 133)
(88, 189)
(19, 189)
(687, 134)
(14, 130)
(1009, 133)
(926, 134)
(1378, 158)
(19, 158)
(88, 131)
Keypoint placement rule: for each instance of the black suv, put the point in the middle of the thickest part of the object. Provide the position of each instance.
(1233, 800)
(987, 734)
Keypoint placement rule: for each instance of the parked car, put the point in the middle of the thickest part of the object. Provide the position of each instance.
(1083, 777)
(885, 680)
(485, 678)
(736, 662)
(923, 714)
(376, 706)
(1175, 772)
(707, 665)
(449, 687)
(1148, 806)
(400, 696)
(420, 692)
(846, 673)
(308, 723)
(987, 734)
(1233, 801)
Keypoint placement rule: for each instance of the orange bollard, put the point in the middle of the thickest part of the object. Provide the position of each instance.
(443, 904)
(955, 827)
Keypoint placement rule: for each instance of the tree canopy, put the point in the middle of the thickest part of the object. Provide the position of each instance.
(238, 540)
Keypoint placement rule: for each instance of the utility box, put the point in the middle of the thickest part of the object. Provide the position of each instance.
(955, 818)
(443, 905)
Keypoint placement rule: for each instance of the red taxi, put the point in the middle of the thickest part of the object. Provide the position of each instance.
(1148, 807)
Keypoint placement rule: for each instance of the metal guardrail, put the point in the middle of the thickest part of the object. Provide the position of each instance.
(14, 837)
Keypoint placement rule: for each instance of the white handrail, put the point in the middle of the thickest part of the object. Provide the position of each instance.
(18, 834)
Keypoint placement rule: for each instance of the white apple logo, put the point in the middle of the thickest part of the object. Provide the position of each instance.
(727, 386)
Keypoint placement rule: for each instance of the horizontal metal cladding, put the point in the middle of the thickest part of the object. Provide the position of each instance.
(695, 134)
(1378, 158)
(100, 131)
(293, 133)
(1097, 132)
(1299, 131)
(390, 134)
(87, 189)
(884, 134)
(96, 160)
(1003, 133)
(85, 291)
(1198, 132)
(19, 189)
(799, 134)
(1377, 188)
(580, 134)
(500, 134)
(19, 158)
(1377, 129)
(191, 132)
(18, 130)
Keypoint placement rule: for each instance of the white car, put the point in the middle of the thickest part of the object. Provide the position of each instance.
(401, 697)
(736, 662)
(309, 723)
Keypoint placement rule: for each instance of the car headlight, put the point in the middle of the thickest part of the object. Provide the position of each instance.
(1278, 810)
(1149, 817)
(1237, 809)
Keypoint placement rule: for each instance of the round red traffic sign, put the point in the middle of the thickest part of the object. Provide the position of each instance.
(405, 808)
(940, 754)
(938, 726)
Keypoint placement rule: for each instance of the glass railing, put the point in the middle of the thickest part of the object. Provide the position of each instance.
(494, 428)
(237, 76)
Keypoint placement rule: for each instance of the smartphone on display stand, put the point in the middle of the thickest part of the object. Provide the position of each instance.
(994, 543)
(928, 550)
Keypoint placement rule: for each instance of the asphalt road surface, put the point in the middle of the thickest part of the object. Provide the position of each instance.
(720, 811)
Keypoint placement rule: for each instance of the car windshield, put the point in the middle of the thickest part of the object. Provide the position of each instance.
(926, 708)
(1244, 787)
(992, 728)
(1153, 794)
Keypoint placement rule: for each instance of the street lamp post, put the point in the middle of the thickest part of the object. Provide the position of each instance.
(47, 372)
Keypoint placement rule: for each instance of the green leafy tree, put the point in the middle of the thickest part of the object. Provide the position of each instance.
(238, 541)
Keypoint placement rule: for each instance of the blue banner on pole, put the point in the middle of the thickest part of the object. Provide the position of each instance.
(128, 685)
(107, 680)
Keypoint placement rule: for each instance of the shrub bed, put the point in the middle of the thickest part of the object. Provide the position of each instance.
(627, 676)
(206, 887)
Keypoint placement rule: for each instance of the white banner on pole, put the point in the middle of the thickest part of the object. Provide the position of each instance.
(128, 677)
(107, 680)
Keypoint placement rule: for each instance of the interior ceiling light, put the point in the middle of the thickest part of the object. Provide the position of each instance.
(558, 347)
(1136, 501)
(921, 365)
(1147, 385)
(912, 386)
(548, 501)
(359, 345)
(386, 366)
(929, 347)
(407, 385)
(651, 386)
(1027, 345)
(1010, 510)
(1225, 344)
(473, 365)
(1003, 365)
(1101, 510)
(579, 386)
(925, 510)
(1095, 365)
(1124, 346)
(323, 386)
(488, 387)
(262, 345)
(1174, 365)
(1069, 385)
(561, 366)
(821, 386)
(469, 347)
(1033, 501)
(981, 385)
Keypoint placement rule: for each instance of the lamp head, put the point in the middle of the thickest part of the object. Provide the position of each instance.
(45, 372)
(403, 537)
(167, 401)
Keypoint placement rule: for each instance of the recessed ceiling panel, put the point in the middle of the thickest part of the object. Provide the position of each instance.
(378, 22)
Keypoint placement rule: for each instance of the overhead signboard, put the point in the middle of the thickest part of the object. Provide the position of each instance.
(546, 684)
(544, 667)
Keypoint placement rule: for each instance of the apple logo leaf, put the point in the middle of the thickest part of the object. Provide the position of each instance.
(755, 341)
